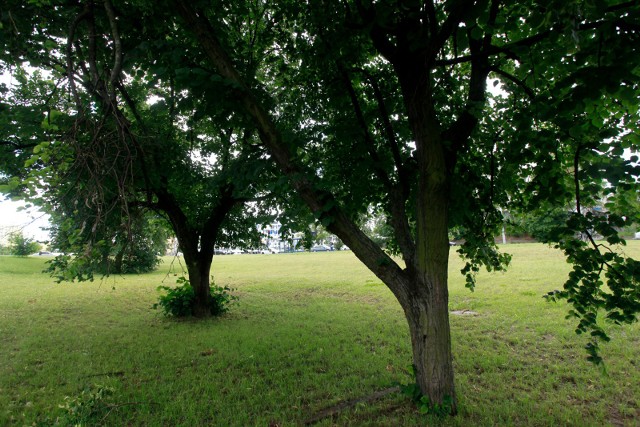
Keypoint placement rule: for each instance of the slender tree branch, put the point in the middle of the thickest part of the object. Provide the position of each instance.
(17, 145)
(457, 11)
(388, 131)
(130, 103)
(368, 139)
(496, 50)
(507, 49)
(521, 84)
(576, 178)
(398, 193)
(13, 24)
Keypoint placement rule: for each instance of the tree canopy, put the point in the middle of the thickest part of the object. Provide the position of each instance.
(101, 149)
(379, 105)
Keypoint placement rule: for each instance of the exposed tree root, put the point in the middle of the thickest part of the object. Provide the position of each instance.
(347, 404)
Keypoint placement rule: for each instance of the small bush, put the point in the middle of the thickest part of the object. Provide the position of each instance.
(178, 301)
(22, 246)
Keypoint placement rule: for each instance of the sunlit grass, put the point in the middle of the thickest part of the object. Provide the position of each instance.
(311, 330)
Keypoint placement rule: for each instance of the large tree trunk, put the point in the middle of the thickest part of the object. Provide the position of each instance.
(198, 261)
(426, 310)
(199, 271)
(425, 300)
(428, 315)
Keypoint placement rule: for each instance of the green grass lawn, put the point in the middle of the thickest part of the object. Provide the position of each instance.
(311, 331)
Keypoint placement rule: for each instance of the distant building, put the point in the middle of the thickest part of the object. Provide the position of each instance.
(273, 237)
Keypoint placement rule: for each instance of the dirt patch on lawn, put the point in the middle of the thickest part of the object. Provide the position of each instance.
(464, 313)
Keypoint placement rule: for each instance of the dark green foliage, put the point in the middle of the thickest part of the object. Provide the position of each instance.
(101, 159)
(131, 245)
(67, 268)
(19, 245)
(542, 224)
(178, 301)
(595, 264)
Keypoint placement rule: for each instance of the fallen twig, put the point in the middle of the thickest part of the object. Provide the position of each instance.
(120, 405)
(105, 374)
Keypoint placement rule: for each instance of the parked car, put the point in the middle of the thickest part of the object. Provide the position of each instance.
(320, 248)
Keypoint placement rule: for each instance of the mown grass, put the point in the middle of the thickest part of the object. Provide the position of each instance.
(311, 331)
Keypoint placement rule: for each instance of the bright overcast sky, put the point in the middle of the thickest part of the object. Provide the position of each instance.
(12, 219)
(30, 221)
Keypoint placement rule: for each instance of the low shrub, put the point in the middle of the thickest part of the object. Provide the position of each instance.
(178, 301)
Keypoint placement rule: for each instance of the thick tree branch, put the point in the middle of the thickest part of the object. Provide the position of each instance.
(320, 202)
(117, 45)
(217, 215)
(93, 67)
(70, 41)
(432, 18)
(458, 133)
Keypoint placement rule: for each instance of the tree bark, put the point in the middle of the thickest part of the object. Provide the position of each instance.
(428, 320)
(199, 271)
